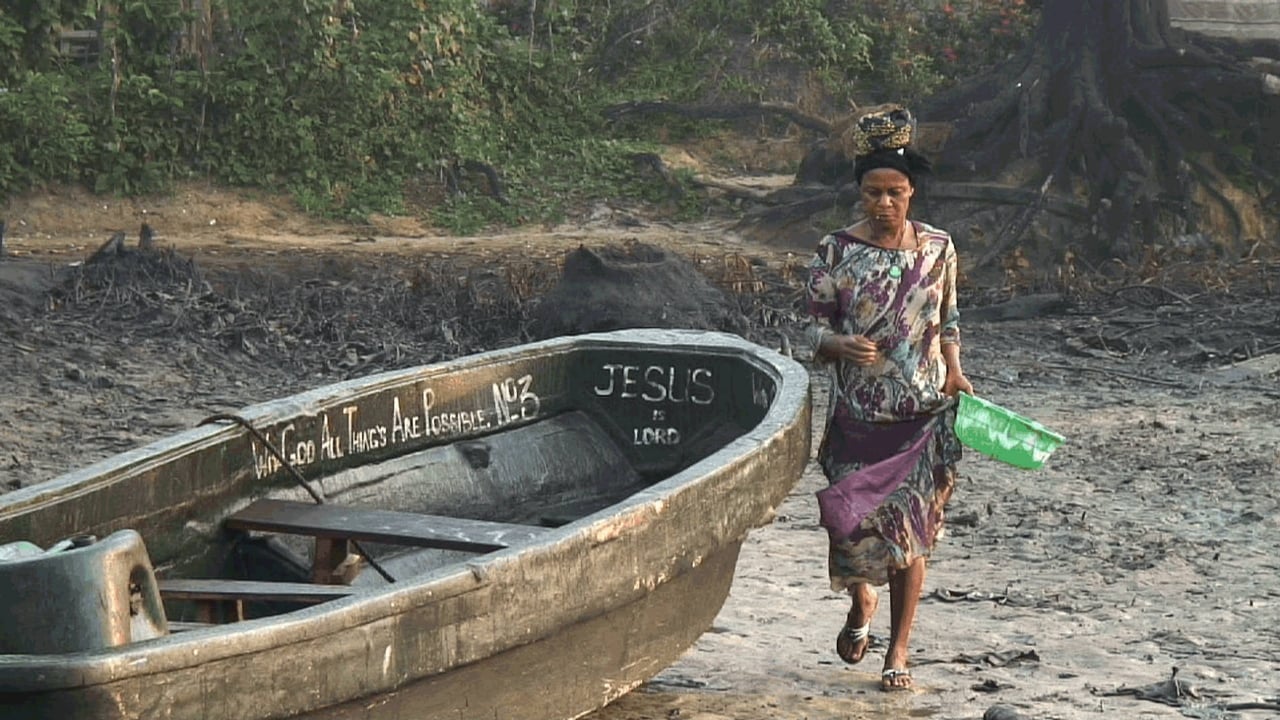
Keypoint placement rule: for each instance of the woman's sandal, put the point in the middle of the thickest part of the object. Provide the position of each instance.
(889, 679)
(849, 637)
(847, 642)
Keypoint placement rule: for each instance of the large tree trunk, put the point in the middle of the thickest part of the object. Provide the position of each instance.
(1118, 106)
(1161, 137)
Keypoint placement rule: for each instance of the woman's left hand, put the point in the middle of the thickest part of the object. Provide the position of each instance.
(957, 383)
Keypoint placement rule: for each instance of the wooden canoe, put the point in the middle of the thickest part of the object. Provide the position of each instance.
(551, 525)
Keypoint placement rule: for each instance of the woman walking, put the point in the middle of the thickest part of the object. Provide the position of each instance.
(884, 321)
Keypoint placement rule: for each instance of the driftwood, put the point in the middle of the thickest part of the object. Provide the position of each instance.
(1150, 296)
(146, 238)
(795, 203)
(782, 196)
(778, 216)
(734, 190)
(1244, 48)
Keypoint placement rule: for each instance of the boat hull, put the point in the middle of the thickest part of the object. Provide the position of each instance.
(554, 628)
(582, 667)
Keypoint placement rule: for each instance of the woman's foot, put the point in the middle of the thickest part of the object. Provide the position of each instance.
(904, 596)
(855, 636)
(896, 679)
(896, 675)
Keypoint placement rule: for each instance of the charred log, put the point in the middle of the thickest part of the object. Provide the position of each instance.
(456, 173)
(110, 250)
(146, 238)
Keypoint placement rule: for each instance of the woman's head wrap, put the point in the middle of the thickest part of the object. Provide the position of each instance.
(881, 138)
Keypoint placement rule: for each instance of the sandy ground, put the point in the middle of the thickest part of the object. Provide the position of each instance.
(1150, 542)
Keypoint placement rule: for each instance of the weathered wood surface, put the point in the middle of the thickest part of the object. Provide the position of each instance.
(548, 678)
(176, 626)
(385, 526)
(219, 589)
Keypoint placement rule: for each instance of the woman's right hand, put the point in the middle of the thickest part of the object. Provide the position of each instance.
(857, 349)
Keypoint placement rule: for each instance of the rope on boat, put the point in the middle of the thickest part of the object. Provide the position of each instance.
(297, 476)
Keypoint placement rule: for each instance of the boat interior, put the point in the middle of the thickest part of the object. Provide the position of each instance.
(378, 523)
(375, 524)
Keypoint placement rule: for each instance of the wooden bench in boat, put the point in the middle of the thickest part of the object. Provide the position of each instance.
(177, 626)
(209, 594)
(181, 589)
(335, 526)
(384, 526)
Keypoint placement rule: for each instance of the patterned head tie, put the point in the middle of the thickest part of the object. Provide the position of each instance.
(885, 127)
(881, 138)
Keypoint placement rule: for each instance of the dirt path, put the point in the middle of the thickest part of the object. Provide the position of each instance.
(1149, 542)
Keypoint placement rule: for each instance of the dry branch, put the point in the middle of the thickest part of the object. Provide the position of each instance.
(1005, 195)
(1012, 233)
(734, 111)
(1114, 373)
(735, 190)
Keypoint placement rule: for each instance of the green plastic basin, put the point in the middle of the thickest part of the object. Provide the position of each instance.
(1004, 435)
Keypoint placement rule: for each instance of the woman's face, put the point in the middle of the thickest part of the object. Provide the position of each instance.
(886, 197)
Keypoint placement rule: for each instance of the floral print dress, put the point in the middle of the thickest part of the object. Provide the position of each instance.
(904, 301)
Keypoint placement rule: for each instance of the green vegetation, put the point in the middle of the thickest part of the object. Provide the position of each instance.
(357, 107)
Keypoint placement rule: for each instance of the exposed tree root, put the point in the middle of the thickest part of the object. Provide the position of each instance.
(1114, 104)
(1143, 98)
(1004, 195)
(1126, 130)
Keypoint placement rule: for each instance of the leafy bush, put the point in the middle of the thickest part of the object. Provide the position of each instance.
(350, 105)
(45, 137)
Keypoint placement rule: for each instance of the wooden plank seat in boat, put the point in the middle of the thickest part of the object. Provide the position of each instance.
(177, 626)
(383, 526)
(222, 599)
(219, 589)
